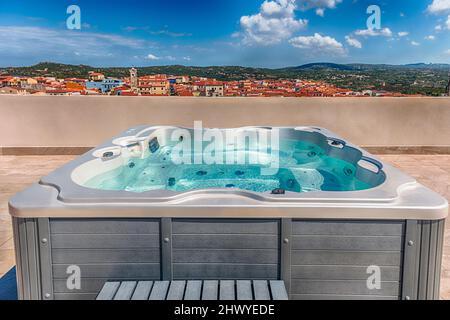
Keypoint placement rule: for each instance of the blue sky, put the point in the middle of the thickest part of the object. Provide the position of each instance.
(271, 33)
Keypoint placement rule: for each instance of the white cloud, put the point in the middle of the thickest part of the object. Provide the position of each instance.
(353, 42)
(320, 12)
(308, 4)
(318, 44)
(448, 22)
(447, 52)
(319, 5)
(385, 32)
(403, 33)
(187, 58)
(152, 57)
(439, 6)
(438, 27)
(430, 37)
(275, 22)
(415, 43)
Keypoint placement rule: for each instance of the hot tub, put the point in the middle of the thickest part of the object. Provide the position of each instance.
(166, 203)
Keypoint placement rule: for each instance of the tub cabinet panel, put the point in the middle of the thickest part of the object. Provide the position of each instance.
(317, 259)
(103, 249)
(330, 259)
(225, 249)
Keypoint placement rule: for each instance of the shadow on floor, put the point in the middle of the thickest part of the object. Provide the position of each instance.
(8, 286)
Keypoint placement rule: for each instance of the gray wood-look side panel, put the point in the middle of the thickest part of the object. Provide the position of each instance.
(33, 257)
(103, 226)
(92, 256)
(26, 267)
(330, 258)
(429, 259)
(104, 249)
(225, 249)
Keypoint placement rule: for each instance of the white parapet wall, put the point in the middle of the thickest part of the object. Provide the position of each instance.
(44, 121)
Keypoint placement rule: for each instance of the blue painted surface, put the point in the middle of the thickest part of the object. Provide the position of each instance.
(105, 86)
(8, 286)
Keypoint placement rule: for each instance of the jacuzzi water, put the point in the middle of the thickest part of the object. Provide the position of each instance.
(303, 167)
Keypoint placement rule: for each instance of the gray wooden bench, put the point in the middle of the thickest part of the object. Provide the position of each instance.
(194, 290)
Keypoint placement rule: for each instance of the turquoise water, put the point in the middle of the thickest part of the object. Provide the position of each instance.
(303, 167)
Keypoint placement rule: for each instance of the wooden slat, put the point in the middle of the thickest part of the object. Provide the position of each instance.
(261, 290)
(105, 241)
(92, 256)
(113, 271)
(254, 256)
(278, 290)
(235, 241)
(159, 291)
(176, 290)
(210, 290)
(108, 291)
(142, 291)
(384, 243)
(104, 226)
(193, 271)
(193, 290)
(335, 272)
(357, 258)
(354, 228)
(125, 291)
(224, 226)
(244, 290)
(227, 290)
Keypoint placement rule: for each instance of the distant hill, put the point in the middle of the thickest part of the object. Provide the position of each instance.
(321, 66)
(428, 66)
(418, 78)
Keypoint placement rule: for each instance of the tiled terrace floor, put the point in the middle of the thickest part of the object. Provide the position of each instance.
(16, 172)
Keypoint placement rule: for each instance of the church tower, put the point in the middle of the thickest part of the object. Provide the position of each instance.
(134, 79)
